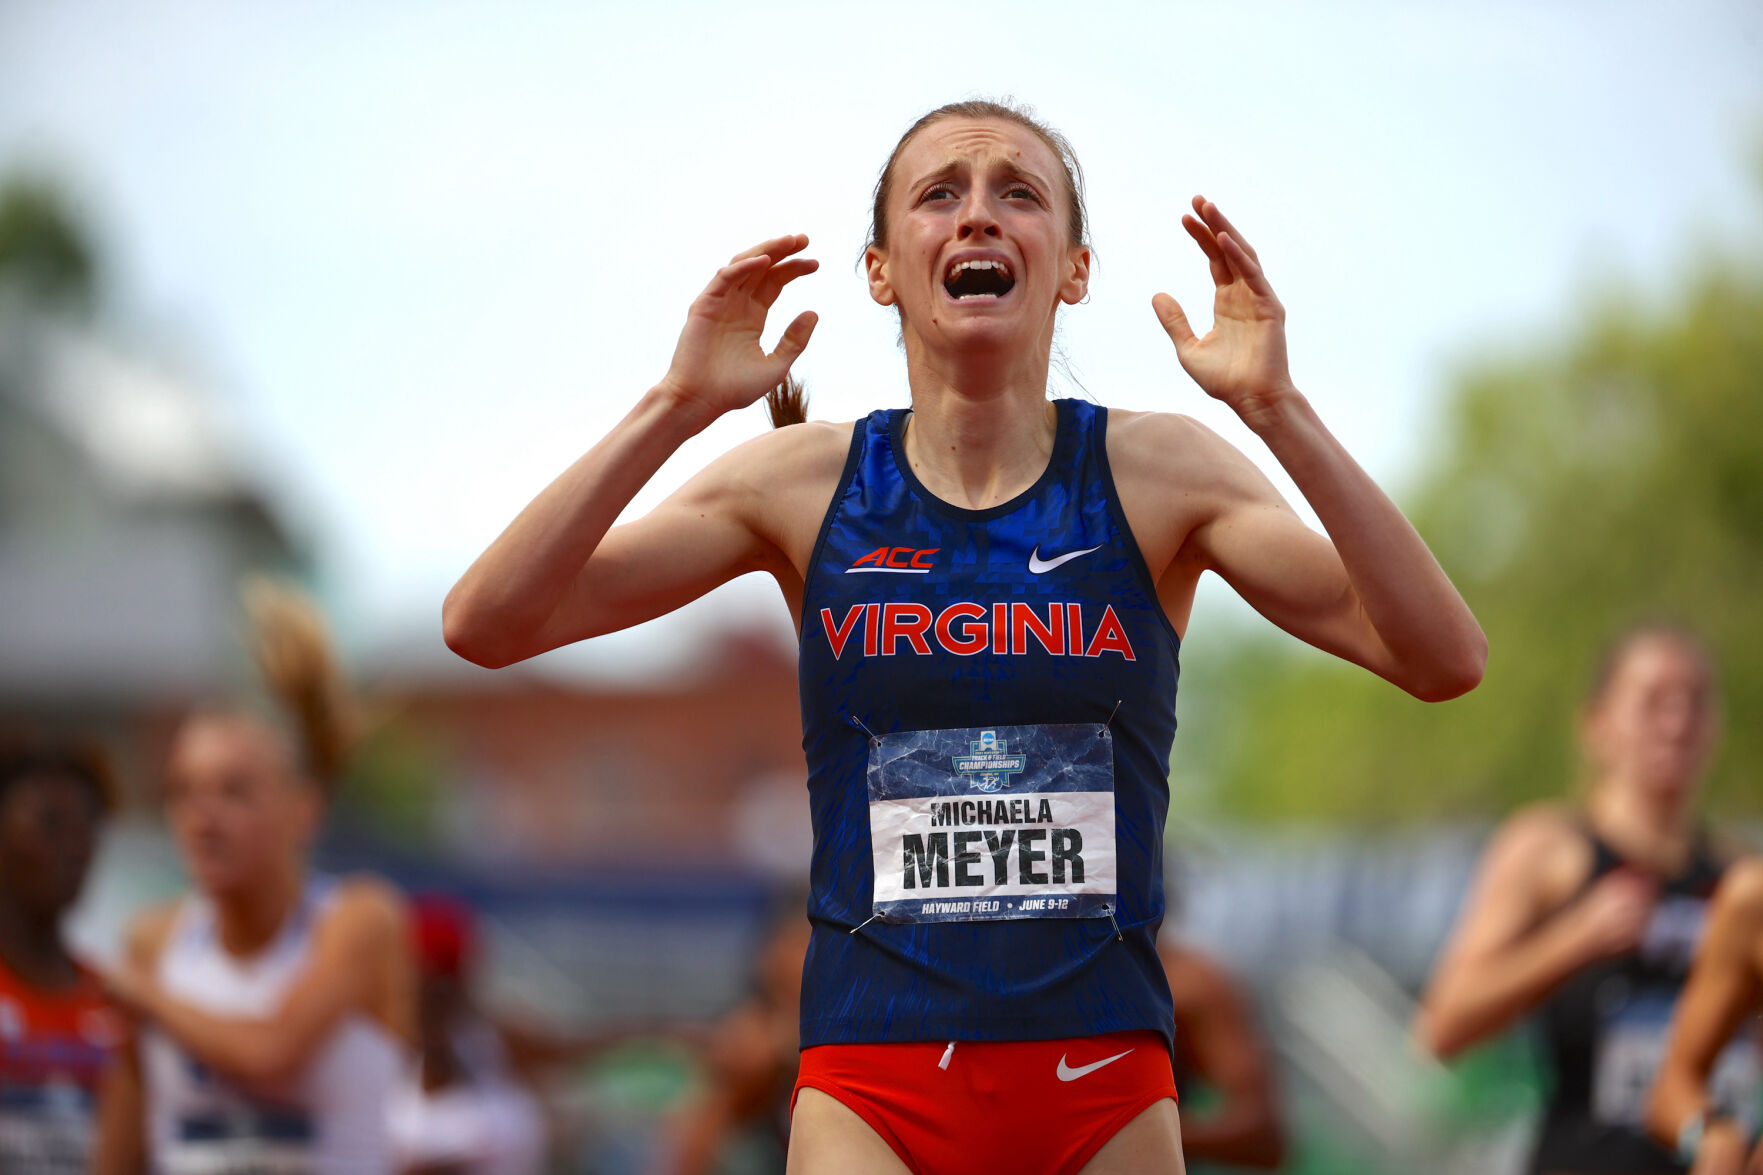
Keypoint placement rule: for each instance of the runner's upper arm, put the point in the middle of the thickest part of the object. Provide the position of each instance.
(1723, 985)
(146, 935)
(1199, 504)
(1517, 884)
(1720, 992)
(1254, 540)
(1220, 1028)
(119, 1146)
(719, 525)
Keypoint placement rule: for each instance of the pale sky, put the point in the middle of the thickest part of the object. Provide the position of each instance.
(426, 253)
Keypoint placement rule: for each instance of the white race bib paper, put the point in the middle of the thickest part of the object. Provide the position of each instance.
(978, 824)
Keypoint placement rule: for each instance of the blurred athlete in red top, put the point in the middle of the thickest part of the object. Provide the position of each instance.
(55, 1030)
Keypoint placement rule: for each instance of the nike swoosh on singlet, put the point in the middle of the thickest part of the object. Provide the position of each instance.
(1066, 1073)
(1039, 566)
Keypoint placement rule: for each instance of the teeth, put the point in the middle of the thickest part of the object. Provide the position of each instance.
(981, 264)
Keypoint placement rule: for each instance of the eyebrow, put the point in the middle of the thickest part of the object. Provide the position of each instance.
(955, 165)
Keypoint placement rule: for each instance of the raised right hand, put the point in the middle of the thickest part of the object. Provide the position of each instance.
(1614, 913)
(719, 364)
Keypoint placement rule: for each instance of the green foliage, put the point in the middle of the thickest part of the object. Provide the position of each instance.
(392, 786)
(1613, 477)
(43, 251)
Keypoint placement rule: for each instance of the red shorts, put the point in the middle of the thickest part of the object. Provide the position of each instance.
(1030, 1107)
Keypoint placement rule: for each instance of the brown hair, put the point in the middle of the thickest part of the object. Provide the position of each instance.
(1078, 223)
(1617, 649)
(293, 653)
(787, 403)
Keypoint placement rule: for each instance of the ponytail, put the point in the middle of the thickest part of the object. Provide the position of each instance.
(293, 653)
(787, 403)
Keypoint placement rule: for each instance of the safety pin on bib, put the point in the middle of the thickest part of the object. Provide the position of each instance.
(874, 738)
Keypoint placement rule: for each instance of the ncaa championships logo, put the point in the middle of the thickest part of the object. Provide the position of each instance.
(989, 767)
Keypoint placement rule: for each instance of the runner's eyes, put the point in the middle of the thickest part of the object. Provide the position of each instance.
(1014, 190)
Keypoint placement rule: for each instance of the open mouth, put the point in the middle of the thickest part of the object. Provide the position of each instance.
(978, 279)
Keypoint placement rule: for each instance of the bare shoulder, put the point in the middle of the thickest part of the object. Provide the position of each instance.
(366, 906)
(778, 484)
(1175, 451)
(1741, 889)
(807, 453)
(148, 932)
(1542, 847)
(1175, 476)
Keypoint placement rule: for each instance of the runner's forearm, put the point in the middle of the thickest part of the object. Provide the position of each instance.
(491, 615)
(1476, 1003)
(1407, 598)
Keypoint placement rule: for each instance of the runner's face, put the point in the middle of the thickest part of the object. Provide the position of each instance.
(1657, 720)
(978, 251)
(238, 813)
(48, 829)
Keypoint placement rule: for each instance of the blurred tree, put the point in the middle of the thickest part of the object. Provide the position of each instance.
(44, 254)
(1614, 476)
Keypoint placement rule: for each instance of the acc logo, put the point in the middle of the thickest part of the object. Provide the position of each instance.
(896, 560)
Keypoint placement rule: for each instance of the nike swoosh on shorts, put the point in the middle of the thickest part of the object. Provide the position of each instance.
(1039, 566)
(1066, 1073)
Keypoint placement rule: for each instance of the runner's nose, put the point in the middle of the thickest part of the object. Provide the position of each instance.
(978, 217)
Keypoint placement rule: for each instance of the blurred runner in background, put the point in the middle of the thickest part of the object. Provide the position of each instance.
(1698, 1106)
(275, 1008)
(1220, 1050)
(56, 1029)
(751, 1060)
(464, 1110)
(1589, 913)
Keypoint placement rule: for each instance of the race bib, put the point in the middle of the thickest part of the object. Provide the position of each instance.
(992, 823)
(34, 1146)
(1631, 1048)
(243, 1142)
(45, 1130)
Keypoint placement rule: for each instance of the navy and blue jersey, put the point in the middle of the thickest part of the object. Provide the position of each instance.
(1036, 613)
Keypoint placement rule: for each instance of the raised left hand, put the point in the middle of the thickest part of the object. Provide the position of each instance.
(1242, 359)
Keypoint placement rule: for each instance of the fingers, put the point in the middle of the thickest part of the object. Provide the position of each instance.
(771, 284)
(746, 267)
(1221, 274)
(736, 274)
(777, 248)
(1169, 313)
(1218, 223)
(795, 340)
(1245, 264)
(1231, 257)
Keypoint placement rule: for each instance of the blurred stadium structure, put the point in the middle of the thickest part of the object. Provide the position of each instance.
(626, 845)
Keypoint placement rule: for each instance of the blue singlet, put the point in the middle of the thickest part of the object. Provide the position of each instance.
(974, 685)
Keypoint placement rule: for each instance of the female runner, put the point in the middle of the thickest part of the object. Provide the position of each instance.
(275, 1008)
(989, 589)
(1709, 1126)
(1591, 915)
(56, 1028)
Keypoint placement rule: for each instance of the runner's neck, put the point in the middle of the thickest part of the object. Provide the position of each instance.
(1658, 835)
(248, 921)
(977, 453)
